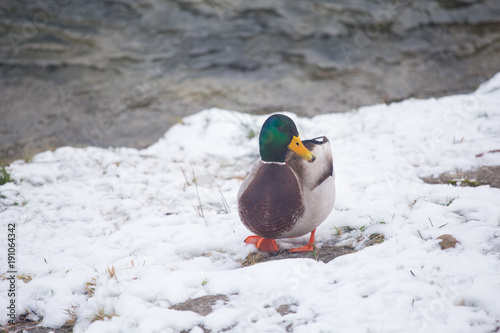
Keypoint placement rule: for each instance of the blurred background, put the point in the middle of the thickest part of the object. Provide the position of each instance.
(121, 72)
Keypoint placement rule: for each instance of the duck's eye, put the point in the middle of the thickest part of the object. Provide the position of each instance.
(281, 129)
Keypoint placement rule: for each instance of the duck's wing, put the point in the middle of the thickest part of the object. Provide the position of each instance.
(313, 174)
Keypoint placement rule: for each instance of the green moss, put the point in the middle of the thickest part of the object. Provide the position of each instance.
(464, 182)
(471, 183)
(4, 175)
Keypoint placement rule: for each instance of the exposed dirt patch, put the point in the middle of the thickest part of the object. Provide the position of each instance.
(201, 305)
(285, 309)
(324, 254)
(23, 325)
(486, 175)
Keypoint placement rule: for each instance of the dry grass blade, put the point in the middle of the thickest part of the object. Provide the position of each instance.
(198, 209)
(111, 271)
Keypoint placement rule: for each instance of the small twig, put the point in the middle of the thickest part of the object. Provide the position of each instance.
(489, 152)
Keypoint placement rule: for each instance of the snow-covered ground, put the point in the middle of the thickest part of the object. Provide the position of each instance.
(127, 223)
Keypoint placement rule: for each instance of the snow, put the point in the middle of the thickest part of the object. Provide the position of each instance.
(125, 222)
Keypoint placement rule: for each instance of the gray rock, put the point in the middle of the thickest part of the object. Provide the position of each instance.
(119, 73)
(447, 241)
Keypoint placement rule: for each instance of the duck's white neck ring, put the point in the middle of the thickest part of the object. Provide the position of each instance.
(279, 163)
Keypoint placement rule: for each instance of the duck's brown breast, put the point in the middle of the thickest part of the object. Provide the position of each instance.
(272, 203)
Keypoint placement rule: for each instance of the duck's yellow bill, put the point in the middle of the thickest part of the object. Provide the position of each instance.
(298, 148)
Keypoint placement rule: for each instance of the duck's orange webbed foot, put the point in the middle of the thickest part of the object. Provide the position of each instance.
(302, 249)
(307, 248)
(263, 244)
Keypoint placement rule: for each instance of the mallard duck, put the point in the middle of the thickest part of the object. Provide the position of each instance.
(290, 190)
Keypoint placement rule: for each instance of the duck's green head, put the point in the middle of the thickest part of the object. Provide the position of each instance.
(278, 134)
